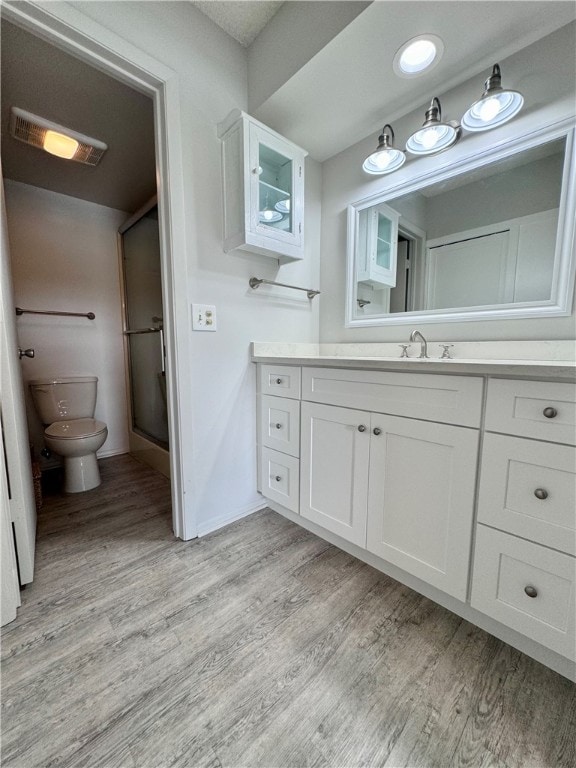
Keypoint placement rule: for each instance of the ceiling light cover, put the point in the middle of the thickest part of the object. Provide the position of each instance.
(434, 136)
(54, 138)
(386, 158)
(495, 107)
(418, 55)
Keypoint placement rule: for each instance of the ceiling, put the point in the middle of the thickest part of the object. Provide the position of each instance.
(348, 90)
(241, 20)
(46, 81)
(342, 90)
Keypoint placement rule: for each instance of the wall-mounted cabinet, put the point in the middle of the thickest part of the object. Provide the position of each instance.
(263, 187)
(377, 246)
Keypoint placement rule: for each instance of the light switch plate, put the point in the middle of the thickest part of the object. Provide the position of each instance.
(203, 317)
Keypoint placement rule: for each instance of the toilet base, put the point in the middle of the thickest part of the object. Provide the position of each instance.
(81, 473)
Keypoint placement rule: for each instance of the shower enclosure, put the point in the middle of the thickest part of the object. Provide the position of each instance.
(144, 334)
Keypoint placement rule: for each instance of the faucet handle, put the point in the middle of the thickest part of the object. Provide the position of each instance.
(446, 353)
(405, 348)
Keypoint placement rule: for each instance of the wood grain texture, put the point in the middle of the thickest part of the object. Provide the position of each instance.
(258, 645)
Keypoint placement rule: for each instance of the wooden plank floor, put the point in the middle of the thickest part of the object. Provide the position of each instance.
(259, 645)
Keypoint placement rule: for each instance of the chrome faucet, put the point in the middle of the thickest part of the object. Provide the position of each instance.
(417, 336)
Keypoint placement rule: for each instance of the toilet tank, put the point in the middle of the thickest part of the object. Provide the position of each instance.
(70, 397)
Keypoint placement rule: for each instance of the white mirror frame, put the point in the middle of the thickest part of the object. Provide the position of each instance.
(562, 292)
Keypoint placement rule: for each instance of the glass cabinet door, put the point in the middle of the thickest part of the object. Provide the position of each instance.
(276, 198)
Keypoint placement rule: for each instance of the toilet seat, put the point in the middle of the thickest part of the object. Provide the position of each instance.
(75, 429)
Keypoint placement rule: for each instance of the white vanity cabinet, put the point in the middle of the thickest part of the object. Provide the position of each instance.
(263, 187)
(388, 465)
(278, 397)
(400, 488)
(524, 565)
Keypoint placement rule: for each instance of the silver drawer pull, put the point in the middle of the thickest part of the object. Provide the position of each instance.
(541, 493)
(277, 478)
(361, 428)
(550, 412)
(531, 591)
(278, 426)
(377, 431)
(278, 381)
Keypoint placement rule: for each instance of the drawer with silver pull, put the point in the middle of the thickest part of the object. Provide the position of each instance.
(280, 424)
(543, 410)
(528, 587)
(529, 488)
(281, 380)
(280, 478)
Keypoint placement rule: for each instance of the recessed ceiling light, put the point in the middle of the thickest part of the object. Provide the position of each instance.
(418, 55)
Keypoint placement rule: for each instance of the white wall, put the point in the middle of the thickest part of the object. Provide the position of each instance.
(540, 72)
(212, 80)
(64, 257)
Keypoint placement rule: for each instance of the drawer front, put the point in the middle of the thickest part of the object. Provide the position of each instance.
(529, 488)
(281, 380)
(507, 570)
(450, 399)
(280, 424)
(280, 478)
(540, 409)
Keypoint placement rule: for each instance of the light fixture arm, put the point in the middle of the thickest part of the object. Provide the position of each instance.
(494, 82)
(386, 138)
(433, 113)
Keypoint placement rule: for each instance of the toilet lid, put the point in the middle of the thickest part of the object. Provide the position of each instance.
(75, 429)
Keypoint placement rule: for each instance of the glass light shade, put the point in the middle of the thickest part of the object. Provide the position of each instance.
(434, 136)
(60, 145)
(495, 107)
(386, 158)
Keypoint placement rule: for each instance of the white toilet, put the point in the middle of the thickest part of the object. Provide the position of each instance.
(66, 405)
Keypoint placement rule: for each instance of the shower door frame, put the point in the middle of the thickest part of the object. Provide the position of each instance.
(142, 446)
(72, 31)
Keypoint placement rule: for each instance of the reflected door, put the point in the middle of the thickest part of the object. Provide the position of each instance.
(144, 327)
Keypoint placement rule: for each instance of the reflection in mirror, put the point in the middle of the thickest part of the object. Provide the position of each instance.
(484, 239)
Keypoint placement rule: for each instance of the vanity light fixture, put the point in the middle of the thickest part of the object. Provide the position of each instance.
(386, 158)
(434, 136)
(495, 107)
(418, 55)
(54, 138)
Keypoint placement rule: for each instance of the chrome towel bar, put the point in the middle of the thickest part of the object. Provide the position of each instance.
(254, 282)
(20, 311)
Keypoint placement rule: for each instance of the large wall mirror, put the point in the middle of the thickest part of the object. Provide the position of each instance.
(491, 239)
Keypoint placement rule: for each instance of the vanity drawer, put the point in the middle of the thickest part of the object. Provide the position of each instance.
(280, 478)
(540, 409)
(508, 570)
(529, 488)
(282, 380)
(280, 424)
(450, 399)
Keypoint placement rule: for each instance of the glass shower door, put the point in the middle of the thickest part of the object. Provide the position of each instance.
(144, 326)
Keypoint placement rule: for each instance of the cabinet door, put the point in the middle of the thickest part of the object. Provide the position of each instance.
(276, 188)
(421, 499)
(377, 246)
(334, 469)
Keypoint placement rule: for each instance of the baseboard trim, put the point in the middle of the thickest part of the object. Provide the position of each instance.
(219, 522)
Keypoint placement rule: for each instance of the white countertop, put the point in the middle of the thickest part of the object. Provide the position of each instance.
(540, 359)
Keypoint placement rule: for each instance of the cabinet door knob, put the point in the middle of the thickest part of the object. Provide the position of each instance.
(541, 494)
(277, 478)
(377, 431)
(550, 412)
(361, 428)
(278, 426)
(278, 381)
(531, 591)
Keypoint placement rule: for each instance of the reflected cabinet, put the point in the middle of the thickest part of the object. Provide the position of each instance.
(263, 187)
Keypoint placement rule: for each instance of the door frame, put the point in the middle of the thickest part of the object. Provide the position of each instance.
(70, 30)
